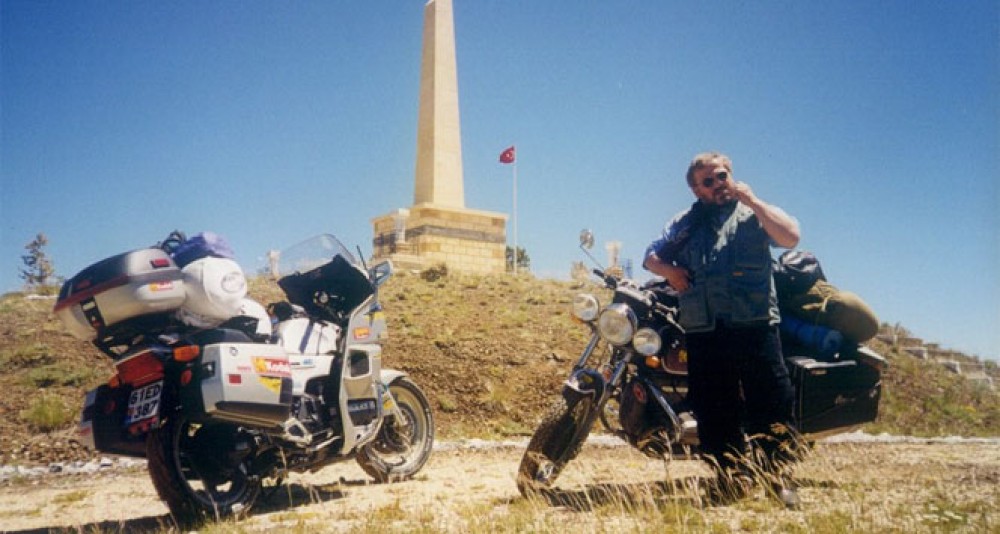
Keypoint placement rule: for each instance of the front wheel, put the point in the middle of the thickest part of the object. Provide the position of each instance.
(405, 439)
(202, 471)
(557, 440)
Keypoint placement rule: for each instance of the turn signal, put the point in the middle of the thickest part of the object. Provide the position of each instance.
(652, 362)
(186, 353)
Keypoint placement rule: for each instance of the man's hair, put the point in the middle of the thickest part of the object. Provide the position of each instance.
(705, 159)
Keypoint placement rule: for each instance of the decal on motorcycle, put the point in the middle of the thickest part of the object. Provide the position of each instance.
(362, 332)
(276, 367)
(161, 286)
(272, 383)
(297, 363)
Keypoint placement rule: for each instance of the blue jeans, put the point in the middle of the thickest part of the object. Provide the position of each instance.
(739, 386)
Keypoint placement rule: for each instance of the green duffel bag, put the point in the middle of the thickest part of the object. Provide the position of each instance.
(825, 305)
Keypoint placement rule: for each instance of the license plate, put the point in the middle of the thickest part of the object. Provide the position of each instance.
(144, 403)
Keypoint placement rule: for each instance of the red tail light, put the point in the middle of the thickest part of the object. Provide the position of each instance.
(140, 368)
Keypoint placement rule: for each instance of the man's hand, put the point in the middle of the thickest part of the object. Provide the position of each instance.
(745, 195)
(678, 277)
(783, 229)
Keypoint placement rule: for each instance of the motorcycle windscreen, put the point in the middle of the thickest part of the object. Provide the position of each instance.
(329, 291)
(834, 396)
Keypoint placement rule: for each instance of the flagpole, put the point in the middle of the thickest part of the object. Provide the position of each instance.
(515, 216)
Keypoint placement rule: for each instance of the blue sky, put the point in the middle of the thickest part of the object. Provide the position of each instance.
(876, 124)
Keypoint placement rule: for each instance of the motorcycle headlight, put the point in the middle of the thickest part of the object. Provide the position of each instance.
(617, 324)
(647, 342)
(585, 307)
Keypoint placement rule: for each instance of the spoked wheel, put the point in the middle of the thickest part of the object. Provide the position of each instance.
(403, 443)
(557, 440)
(202, 471)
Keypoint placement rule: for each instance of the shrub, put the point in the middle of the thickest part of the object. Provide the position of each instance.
(432, 274)
(47, 413)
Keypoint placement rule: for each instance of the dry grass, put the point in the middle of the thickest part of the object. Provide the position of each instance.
(845, 488)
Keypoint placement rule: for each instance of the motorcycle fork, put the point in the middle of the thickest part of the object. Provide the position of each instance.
(595, 338)
(600, 392)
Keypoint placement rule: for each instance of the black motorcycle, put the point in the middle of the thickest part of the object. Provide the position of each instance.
(632, 377)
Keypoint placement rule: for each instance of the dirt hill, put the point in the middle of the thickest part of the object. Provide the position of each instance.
(490, 352)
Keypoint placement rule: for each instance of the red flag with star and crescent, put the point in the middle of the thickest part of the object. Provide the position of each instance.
(507, 156)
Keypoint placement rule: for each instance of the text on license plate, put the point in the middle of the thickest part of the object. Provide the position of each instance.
(144, 403)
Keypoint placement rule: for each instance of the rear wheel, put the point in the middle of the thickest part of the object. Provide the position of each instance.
(202, 471)
(405, 439)
(555, 443)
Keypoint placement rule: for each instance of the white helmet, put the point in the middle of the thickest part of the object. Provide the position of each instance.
(215, 290)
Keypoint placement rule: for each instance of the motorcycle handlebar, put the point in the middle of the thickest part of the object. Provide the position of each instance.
(610, 281)
(668, 313)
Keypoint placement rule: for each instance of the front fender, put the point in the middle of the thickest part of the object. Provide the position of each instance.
(388, 376)
(584, 383)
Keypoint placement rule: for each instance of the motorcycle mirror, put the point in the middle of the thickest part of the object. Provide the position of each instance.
(381, 272)
(587, 243)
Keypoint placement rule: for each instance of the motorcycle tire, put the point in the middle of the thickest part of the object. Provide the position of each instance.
(401, 448)
(201, 471)
(556, 442)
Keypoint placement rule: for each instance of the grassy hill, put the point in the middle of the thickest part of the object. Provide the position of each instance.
(490, 352)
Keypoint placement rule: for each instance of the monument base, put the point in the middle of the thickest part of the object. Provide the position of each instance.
(426, 235)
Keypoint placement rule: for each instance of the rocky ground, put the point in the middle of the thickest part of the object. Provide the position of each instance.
(469, 487)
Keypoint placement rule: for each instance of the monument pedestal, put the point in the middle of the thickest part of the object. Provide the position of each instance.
(427, 234)
(438, 228)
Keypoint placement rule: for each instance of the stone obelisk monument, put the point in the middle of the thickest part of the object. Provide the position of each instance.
(438, 228)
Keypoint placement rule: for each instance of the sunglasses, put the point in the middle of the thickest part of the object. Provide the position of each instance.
(709, 181)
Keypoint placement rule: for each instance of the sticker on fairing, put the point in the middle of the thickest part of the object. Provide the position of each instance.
(272, 367)
(272, 383)
(362, 332)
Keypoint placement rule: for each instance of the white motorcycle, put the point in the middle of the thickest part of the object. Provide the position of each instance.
(223, 408)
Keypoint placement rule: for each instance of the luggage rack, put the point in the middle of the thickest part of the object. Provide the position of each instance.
(115, 341)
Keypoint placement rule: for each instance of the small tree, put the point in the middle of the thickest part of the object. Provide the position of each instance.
(523, 261)
(38, 271)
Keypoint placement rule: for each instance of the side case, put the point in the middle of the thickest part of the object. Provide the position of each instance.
(834, 397)
(100, 426)
(244, 383)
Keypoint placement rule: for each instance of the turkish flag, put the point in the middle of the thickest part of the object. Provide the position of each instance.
(507, 156)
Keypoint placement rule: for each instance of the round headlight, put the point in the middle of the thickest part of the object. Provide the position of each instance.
(617, 324)
(585, 307)
(647, 342)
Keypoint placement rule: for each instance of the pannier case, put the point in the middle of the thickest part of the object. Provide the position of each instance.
(246, 383)
(835, 396)
(100, 427)
(114, 290)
